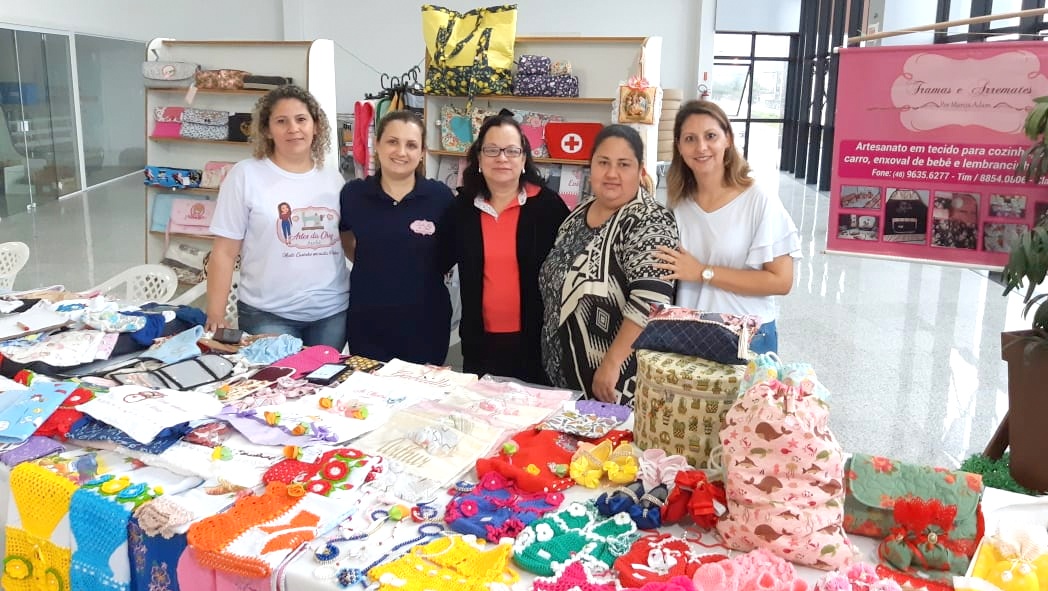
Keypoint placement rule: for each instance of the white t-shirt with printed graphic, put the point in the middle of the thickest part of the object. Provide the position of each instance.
(292, 263)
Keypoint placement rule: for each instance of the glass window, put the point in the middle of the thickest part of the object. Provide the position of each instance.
(772, 46)
(769, 90)
(728, 44)
(730, 88)
(1002, 7)
(763, 145)
(111, 91)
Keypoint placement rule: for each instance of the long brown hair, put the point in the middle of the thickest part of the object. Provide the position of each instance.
(262, 145)
(680, 181)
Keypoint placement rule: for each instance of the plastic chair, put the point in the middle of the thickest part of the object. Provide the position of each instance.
(140, 284)
(13, 256)
(191, 296)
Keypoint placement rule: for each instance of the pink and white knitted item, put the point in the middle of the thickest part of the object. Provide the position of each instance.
(857, 577)
(572, 577)
(758, 570)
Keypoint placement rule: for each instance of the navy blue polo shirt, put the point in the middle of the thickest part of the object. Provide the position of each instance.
(398, 302)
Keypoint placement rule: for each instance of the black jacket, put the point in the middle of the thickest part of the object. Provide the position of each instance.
(540, 217)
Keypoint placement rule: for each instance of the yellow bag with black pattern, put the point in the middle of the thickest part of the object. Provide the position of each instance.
(469, 53)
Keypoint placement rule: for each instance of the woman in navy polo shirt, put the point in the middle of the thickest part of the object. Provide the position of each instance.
(394, 226)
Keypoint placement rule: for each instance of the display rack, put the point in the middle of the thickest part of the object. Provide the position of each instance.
(310, 64)
(601, 63)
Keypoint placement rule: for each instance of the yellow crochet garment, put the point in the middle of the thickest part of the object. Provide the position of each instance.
(33, 561)
(450, 563)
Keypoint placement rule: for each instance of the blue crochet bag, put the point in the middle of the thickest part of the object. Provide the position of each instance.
(723, 338)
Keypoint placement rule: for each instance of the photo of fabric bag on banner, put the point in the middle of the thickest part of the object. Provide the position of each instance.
(470, 53)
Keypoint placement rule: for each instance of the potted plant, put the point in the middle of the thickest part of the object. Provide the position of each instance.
(1026, 351)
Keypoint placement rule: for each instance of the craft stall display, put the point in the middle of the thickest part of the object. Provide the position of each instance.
(152, 458)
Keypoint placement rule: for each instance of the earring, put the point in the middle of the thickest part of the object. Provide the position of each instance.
(479, 169)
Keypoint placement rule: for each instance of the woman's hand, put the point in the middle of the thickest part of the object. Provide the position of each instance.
(604, 381)
(215, 322)
(682, 265)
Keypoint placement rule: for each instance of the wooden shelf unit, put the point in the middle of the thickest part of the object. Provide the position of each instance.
(310, 64)
(601, 64)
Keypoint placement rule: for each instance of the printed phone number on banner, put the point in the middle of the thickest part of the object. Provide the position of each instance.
(924, 161)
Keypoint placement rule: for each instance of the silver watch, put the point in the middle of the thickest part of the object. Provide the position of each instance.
(707, 274)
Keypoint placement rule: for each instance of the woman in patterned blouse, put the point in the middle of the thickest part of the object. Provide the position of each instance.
(600, 280)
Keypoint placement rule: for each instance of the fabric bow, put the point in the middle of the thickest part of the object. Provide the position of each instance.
(638, 83)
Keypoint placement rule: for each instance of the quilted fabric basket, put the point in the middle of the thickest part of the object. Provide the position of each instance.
(680, 403)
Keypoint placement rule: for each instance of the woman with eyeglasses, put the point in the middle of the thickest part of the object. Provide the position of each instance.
(505, 222)
(394, 226)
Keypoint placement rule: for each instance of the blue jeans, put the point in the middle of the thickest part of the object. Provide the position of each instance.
(329, 331)
(766, 340)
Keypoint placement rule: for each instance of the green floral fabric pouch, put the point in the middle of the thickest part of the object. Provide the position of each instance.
(929, 520)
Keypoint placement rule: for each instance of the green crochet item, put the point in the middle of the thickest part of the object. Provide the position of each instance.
(995, 473)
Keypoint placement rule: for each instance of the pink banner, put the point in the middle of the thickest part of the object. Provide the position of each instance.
(925, 147)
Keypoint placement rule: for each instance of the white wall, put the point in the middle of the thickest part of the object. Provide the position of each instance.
(145, 19)
(765, 16)
(387, 34)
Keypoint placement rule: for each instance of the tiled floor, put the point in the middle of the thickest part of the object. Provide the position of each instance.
(910, 352)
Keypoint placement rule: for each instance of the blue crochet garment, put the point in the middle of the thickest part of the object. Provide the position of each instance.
(495, 508)
(99, 527)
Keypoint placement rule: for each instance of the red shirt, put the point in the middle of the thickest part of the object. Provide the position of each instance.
(500, 302)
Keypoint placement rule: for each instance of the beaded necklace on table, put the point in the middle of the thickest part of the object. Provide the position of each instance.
(346, 576)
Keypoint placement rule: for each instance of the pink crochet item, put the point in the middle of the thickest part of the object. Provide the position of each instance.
(675, 584)
(758, 570)
(658, 468)
(857, 577)
(571, 577)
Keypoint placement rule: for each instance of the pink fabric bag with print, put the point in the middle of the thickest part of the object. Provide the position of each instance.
(168, 122)
(191, 216)
(785, 477)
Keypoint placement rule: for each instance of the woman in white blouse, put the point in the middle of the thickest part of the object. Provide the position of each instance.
(737, 242)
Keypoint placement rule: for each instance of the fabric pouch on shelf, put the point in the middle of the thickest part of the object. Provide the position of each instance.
(222, 79)
(256, 82)
(456, 129)
(215, 172)
(534, 127)
(205, 124)
(724, 338)
(929, 520)
(168, 122)
(171, 178)
(533, 64)
(191, 216)
(167, 74)
(240, 127)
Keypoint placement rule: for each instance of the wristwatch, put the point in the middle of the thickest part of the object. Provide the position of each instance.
(707, 274)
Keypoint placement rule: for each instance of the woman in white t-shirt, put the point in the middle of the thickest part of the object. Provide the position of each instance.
(279, 212)
(737, 242)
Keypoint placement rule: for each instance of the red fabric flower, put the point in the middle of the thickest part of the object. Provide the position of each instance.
(335, 471)
(468, 508)
(320, 487)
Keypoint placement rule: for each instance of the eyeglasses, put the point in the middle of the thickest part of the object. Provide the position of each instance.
(494, 151)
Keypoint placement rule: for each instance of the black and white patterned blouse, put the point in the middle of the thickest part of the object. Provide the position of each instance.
(592, 280)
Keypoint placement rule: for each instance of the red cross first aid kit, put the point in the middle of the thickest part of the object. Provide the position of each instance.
(570, 140)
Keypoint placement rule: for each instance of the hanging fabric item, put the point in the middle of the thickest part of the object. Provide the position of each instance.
(469, 53)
